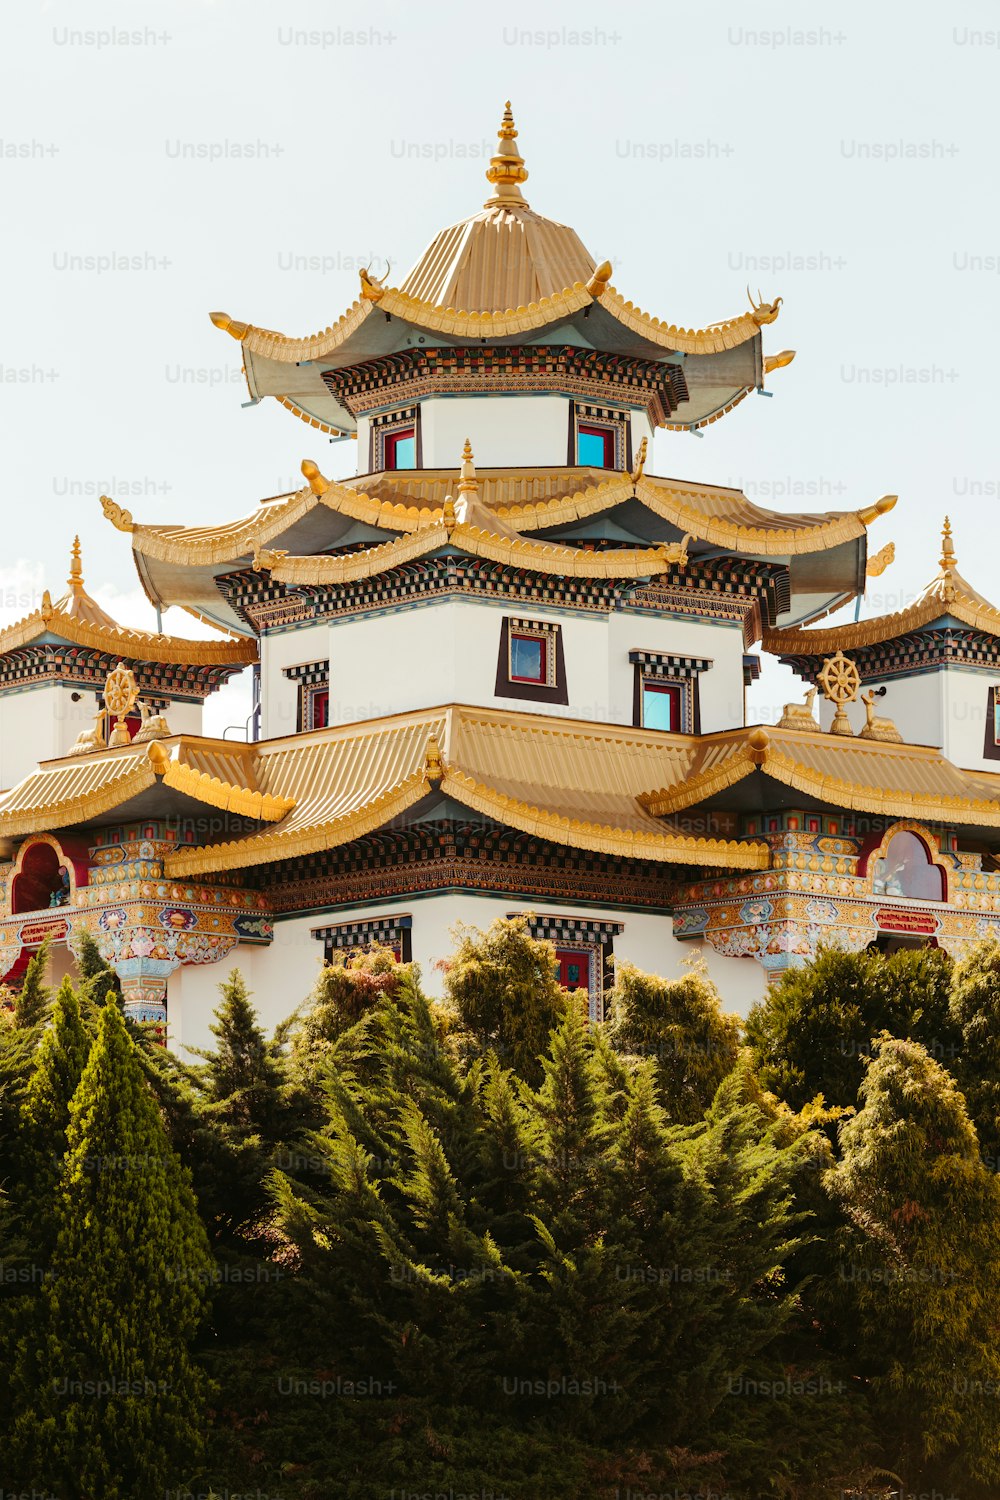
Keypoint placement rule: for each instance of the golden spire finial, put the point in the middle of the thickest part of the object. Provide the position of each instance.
(75, 579)
(948, 560)
(468, 484)
(507, 168)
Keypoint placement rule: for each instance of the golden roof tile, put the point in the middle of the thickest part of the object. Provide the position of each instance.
(896, 780)
(520, 501)
(574, 784)
(948, 593)
(79, 619)
(79, 789)
(504, 272)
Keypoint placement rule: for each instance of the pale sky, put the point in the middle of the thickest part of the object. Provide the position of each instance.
(161, 161)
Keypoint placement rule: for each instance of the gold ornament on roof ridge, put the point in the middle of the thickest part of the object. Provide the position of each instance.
(75, 579)
(840, 681)
(948, 560)
(468, 484)
(800, 715)
(877, 565)
(121, 692)
(877, 728)
(506, 169)
(763, 312)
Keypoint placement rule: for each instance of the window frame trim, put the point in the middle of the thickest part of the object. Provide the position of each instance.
(556, 689)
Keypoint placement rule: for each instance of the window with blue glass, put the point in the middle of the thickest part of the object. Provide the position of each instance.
(528, 658)
(661, 705)
(400, 449)
(595, 447)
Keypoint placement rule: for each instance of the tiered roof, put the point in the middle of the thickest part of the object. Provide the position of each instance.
(79, 620)
(505, 275)
(604, 788)
(513, 516)
(947, 598)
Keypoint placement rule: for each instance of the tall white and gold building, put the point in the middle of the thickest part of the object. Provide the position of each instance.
(501, 669)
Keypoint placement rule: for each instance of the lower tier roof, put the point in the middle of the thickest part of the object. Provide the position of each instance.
(606, 788)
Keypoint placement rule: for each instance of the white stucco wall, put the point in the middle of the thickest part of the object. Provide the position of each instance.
(39, 723)
(948, 709)
(282, 975)
(279, 695)
(505, 431)
(446, 652)
(966, 712)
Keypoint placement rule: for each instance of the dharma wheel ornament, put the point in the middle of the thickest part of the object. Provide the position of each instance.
(840, 681)
(121, 693)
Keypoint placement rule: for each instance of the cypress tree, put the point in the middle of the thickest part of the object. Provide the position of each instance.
(975, 1009)
(503, 986)
(812, 1034)
(113, 1400)
(96, 978)
(681, 1025)
(34, 995)
(921, 1269)
(59, 1063)
(242, 1075)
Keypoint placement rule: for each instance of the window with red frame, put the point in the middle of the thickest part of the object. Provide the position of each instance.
(314, 709)
(595, 446)
(529, 660)
(661, 706)
(399, 449)
(573, 968)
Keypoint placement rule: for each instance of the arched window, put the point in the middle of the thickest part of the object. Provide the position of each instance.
(906, 869)
(42, 881)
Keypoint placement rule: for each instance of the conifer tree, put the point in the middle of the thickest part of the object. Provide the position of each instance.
(975, 1009)
(812, 1033)
(95, 977)
(503, 985)
(241, 1074)
(921, 1268)
(59, 1063)
(112, 1402)
(681, 1025)
(34, 995)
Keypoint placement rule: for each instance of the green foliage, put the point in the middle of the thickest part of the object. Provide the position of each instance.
(110, 1400)
(347, 989)
(558, 1262)
(812, 1035)
(975, 1010)
(58, 1066)
(485, 1245)
(680, 1024)
(96, 979)
(242, 1074)
(921, 1267)
(503, 986)
(33, 998)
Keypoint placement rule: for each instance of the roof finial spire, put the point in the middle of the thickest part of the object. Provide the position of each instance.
(468, 484)
(948, 559)
(507, 168)
(75, 579)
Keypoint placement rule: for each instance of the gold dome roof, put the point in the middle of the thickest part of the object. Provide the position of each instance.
(506, 256)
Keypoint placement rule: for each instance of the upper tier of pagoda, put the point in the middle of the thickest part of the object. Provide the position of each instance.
(507, 280)
(563, 522)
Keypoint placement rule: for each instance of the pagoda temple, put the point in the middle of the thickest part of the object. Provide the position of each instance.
(500, 669)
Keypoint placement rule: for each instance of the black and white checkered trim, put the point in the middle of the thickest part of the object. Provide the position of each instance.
(308, 673)
(390, 932)
(656, 664)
